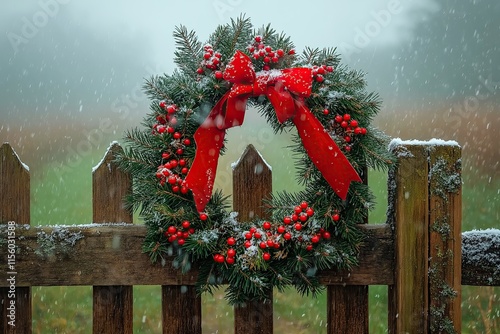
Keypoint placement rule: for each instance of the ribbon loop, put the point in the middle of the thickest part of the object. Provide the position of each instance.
(286, 89)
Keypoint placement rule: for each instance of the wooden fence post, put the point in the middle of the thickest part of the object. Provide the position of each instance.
(14, 207)
(113, 305)
(252, 182)
(427, 265)
(347, 306)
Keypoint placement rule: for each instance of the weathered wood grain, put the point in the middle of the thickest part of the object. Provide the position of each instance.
(445, 233)
(111, 254)
(408, 297)
(252, 182)
(112, 304)
(14, 206)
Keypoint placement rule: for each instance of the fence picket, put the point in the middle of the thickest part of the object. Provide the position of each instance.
(252, 182)
(112, 305)
(14, 206)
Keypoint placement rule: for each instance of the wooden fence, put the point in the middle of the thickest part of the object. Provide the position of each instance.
(417, 253)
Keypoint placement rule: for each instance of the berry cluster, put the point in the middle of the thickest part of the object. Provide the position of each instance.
(347, 128)
(266, 53)
(319, 72)
(179, 233)
(174, 163)
(211, 61)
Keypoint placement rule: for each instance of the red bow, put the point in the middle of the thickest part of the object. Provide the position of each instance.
(286, 89)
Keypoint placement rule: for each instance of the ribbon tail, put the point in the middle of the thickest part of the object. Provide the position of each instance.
(200, 179)
(324, 152)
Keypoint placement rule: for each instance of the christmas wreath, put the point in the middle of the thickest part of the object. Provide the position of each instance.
(173, 161)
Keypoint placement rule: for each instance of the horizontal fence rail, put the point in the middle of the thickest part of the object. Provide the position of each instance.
(403, 254)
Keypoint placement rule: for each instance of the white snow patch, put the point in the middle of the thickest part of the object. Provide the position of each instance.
(26, 167)
(104, 157)
(433, 142)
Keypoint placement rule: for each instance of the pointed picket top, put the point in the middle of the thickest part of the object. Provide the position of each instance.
(252, 152)
(14, 187)
(109, 187)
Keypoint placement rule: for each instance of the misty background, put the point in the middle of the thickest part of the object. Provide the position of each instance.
(71, 71)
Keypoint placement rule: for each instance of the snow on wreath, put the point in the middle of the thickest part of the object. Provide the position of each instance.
(173, 160)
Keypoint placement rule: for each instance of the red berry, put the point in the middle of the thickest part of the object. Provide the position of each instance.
(346, 117)
(207, 55)
(230, 260)
(270, 243)
(218, 75)
(348, 148)
(172, 238)
(258, 39)
(184, 189)
(338, 119)
(304, 205)
(266, 67)
(310, 212)
(173, 163)
(182, 162)
(203, 216)
(326, 235)
(344, 124)
(185, 235)
(172, 179)
(326, 111)
(266, 225)
(281, 229)
(163, 104)
(275, 59)
(266, 256)
(287, 220)
(353, 123)
(218, 54)
(336, 217)
(186, 224)
(315, 239)
(298, 226)
(276, 245)
(262, 245)
(165, 155)
(172, 229)
(268, 49)
(291, 52)
(329, 69)
(303, 217)
(280, 52)
(231, 241)
(199, 70)
(248, 244)
(215, 61)
(186, 141)
(252, 229)
(363, 131)
(171, 109)
(170, 129)
(177, 135)
(176, 189)
(251, 48)
(179, 151)
(357, 131)
(347, 139)
(181, 242)
(320, 78)
(219, 258)
(287, 236)
(309, 248)
(256, 55)
(231, 252)
(297, 209)
(248, 235)
(321, 70)
(257, 235)
(185, 170)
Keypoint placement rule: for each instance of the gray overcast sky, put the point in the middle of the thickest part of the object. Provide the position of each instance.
(69, 63)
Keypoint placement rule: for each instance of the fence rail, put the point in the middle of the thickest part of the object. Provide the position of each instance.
(424, 223)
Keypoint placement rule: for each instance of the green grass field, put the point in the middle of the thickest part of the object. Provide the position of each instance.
(66, 199)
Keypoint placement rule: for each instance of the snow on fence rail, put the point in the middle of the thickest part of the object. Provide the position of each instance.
(416, 253)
